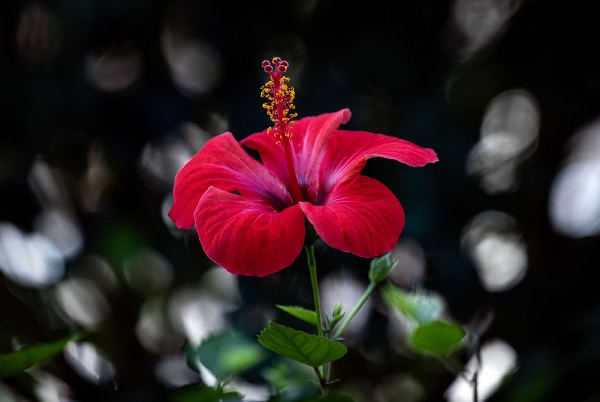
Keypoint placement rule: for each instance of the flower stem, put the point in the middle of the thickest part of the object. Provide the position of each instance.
(312, 265)
(350, 316)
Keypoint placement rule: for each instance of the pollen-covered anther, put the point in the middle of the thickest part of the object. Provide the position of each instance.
(280, 97)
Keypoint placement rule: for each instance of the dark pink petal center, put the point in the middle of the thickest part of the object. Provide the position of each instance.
(222, 163)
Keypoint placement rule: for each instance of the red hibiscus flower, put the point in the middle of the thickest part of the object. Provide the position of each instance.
(250, 216)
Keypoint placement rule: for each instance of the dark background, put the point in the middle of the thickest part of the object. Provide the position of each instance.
(102, 101)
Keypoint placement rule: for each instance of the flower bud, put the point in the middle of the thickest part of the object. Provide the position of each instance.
(381, 267)
(337, 315)
(337, 310)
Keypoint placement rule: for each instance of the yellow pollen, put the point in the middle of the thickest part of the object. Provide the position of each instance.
(279, 98)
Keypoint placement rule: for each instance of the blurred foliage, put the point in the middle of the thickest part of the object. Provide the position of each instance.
(430, 335)
(206, 394)
(226, 355)
(417, 305)
(102, 101)
(438, 337)
(27, 357)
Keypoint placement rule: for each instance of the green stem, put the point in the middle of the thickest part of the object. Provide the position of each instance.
(312, 265)
(350, 316)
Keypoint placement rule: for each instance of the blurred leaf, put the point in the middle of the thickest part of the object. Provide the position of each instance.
(307, 349)
(416, 306)
(536, 386)
(299, 312)
(191, 357)
(119, 240)
(205, 394)
(289, 375)
(16, 362)
(438, 337)
(328, 398)
(225, 354)
(311, 394)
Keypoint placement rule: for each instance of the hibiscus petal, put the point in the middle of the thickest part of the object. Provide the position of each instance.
(246, 237)
(309, 144)
(348, 151)
(271, 154)
(362, 217)
(224, 164)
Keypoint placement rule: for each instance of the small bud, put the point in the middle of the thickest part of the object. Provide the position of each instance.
(268, 68)
(282, 68)
(276, 60)
(381, 267)
(337, 310)
(337, 315)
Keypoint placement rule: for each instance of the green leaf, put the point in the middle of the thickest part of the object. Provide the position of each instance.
(437, 337)
(299, 312)
(329, 398)
(16, 362)
(226, 354)
(205, 394)
(417, 306)
(288, 374)
(307, 349)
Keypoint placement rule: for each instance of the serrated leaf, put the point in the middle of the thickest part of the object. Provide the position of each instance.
(19, 361)
(437, 337)
(300, 312)
(416, 306)
(226, 354)
(307, 349)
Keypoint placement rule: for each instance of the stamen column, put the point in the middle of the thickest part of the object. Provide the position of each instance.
(281, 98)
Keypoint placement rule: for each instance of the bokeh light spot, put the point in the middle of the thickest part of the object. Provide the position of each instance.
(83, 302)
(509, 134)
(495, 246)
(115, 68)
(29, 260)
(498, 359)
(89, 362)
